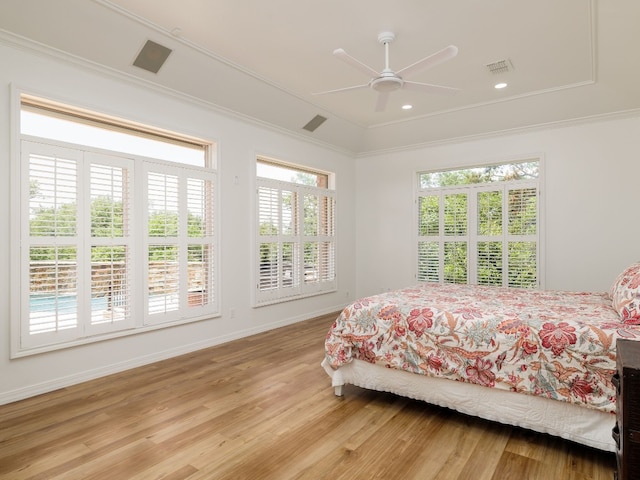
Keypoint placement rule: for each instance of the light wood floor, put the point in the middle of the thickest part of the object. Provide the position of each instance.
(262, 408)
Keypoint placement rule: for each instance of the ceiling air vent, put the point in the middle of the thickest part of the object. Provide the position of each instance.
(501, 66)
(152, 56)
(314, 123)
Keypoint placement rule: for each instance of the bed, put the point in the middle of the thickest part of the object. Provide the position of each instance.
(541, 360)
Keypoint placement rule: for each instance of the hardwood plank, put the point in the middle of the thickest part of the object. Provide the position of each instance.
(263, 408)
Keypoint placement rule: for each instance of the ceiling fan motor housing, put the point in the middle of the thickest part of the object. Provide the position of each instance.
(386, 37)
(387, 84)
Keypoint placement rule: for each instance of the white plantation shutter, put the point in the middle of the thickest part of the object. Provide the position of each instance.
(483, 234)
(310, 237)
(490, 263)
(490, 231)
(180, 243)
(443, 237)
(278, 242)
(456, 237)
(110, 255)
(201, 281)
(327, 244)
(295, 241)
(78, 259)
(429, 255)
(52, 307)
(269, 219)
(50, 291)
(163, 253)
(522, 236)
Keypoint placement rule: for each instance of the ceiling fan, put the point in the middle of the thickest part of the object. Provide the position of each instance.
(387, 80)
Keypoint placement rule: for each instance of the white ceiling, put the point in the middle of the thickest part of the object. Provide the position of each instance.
(263, 60)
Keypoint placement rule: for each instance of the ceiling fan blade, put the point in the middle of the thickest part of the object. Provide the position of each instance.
(429, 88)
(431, 61)
(355, 87)
(357, 64)
(381, 103)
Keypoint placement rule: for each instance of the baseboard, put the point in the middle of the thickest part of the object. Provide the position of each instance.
(63, 382)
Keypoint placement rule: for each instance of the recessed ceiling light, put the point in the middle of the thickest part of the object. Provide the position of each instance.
(500, 85)
(407, 107)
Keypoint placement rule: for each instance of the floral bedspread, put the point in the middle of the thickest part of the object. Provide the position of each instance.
(559, 345)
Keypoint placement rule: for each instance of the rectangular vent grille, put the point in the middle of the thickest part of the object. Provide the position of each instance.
(152, 56)
(501, 66)
(314, 123)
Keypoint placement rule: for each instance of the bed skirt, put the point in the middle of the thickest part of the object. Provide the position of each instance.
(583, 425)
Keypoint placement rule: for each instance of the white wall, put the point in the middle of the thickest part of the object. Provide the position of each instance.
(239, 142)
(591, 198)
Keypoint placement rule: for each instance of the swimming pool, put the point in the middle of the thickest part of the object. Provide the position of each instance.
(62, 303)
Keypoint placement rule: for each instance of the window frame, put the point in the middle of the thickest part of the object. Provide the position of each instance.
(297, 237)
(472, 236)
(139, 319)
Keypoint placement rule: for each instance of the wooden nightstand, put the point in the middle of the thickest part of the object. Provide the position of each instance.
(626, 432)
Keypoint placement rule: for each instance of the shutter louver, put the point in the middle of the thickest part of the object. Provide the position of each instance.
(53, 304)
(311, 262)
(523, 208)
(268, 211)
(53, 251)
(490, 263)
(289, 208)
(200, 238)
(327, 246)
(522, 264)
(429, 261)
(269, 225)
(490, 213)
(327, 265)
(456, 240)
(163, 257)
(269, 267)
(53, 181)
(429, 238)
(163, 205)
(163, 279)
(311, 218)
(429, 215)
(110, 287)
(522, 250)
(110, 259)
(490, 234)
(455, 267)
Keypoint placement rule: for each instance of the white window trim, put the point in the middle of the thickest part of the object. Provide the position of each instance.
(472, 217)
(19, 280)
(264, 298)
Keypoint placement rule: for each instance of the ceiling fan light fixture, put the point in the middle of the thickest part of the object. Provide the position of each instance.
(386, 84)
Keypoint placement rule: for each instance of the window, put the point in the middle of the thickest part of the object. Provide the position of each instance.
(111, 241)
(480, 226)
(295, 252)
